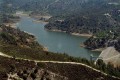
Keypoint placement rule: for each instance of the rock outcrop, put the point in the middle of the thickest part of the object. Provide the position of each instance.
(35, 74)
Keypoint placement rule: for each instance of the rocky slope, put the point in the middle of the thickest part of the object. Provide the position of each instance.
(89, 18)
(103, 40)
(14, 69)
(35, 74)
(11, 69)
(16, 37)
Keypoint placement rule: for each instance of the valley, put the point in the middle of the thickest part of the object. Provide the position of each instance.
(59, 39)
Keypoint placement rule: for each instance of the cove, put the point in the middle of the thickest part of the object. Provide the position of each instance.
(56, 41)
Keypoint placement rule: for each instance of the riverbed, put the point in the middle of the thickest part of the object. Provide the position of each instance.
(56, 41)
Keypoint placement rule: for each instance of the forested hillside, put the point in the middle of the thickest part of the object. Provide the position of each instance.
(29, 5)
(93, 16)
(98, 18)
(77, 16)
(63, 7)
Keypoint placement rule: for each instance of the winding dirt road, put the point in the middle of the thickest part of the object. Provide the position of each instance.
(58, 62)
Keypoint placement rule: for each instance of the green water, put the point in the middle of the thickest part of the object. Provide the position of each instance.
(56, 41)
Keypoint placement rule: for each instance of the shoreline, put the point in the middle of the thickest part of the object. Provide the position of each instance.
(21, 14)
(83, 35)
(34, 17)
(74, 34)
(12, 25)
(82, 45)
(45, 48)
(94, 50)
(80, 35)
(98, 50)
(39, 21)
(54, 30)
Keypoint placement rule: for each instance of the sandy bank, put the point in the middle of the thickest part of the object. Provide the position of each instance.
(83, 34)
(82, 45)
(39, 21)
(40, 16)
(13, 25)
(45, 48)
(21, 14)
(75, 34)
(99, 49)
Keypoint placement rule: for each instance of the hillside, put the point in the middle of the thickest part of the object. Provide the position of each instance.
(28, 5)
(16, 37)
(103, 22)
(90, 18)
(89, 24)
(71, 71)
(103, 40)
(29, 60)
(58, 7)
(25, 70)
(62, 9)
(14, 42)
(28, 70)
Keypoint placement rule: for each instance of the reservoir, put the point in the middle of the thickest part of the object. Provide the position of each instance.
(56, 41)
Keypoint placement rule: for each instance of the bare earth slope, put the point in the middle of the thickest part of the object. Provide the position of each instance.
(111, 55)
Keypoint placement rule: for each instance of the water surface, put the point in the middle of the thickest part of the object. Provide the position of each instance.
(56, 41)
